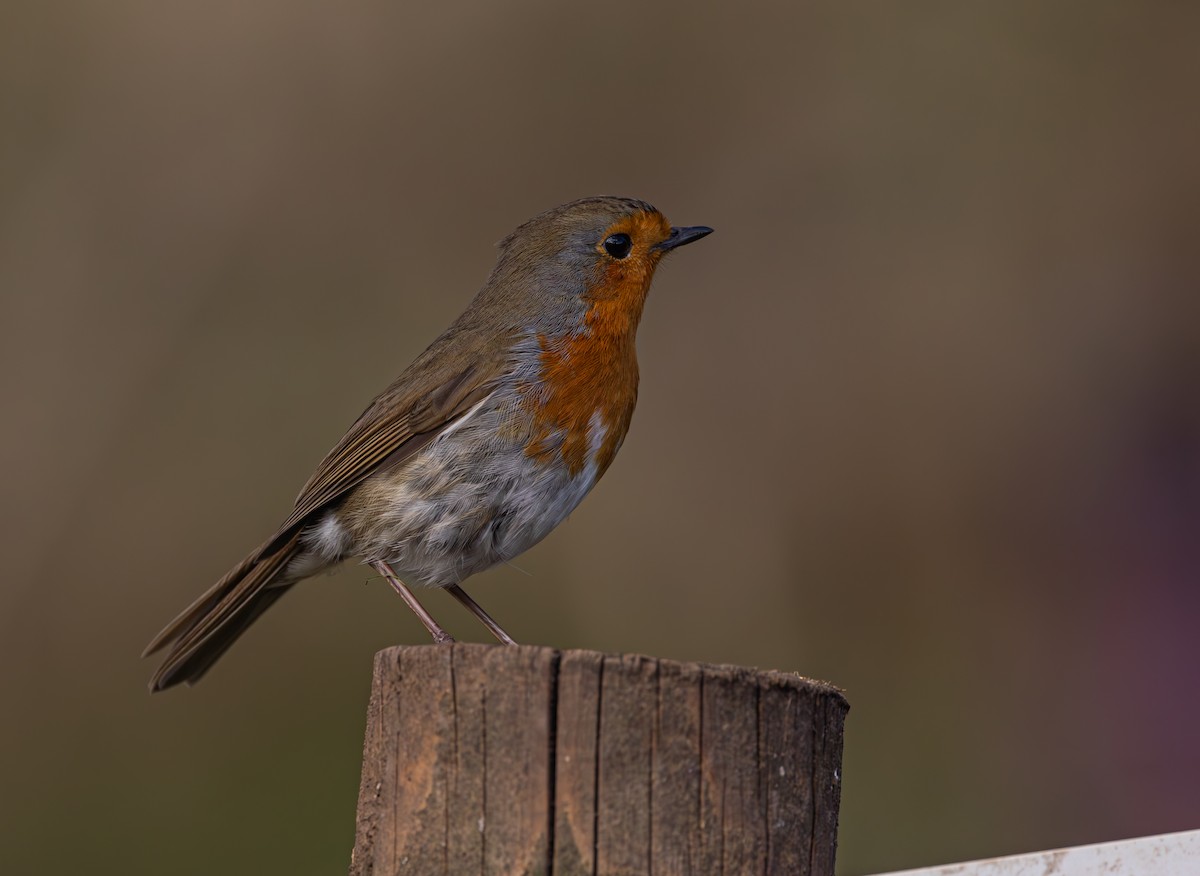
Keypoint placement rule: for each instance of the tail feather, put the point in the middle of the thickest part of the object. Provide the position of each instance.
(207, 627)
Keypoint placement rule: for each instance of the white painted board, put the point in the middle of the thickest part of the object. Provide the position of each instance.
(1169, 854)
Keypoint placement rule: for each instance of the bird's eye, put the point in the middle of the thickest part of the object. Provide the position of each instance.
(618, 245)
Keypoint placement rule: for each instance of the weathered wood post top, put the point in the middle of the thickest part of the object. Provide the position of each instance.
(526, 760)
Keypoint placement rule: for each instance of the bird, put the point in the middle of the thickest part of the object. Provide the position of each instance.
(482, 445)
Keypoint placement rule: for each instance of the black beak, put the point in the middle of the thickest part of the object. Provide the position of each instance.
(681, 236)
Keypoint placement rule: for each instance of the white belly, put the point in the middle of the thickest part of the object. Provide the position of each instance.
(444, 515)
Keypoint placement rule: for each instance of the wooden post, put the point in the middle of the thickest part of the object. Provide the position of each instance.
(525, 760)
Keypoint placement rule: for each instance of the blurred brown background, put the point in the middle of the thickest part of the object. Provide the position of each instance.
(922, 417)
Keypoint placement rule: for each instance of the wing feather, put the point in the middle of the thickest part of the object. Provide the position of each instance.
(395, 426)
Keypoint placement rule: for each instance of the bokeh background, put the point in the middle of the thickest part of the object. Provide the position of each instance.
(922, 418)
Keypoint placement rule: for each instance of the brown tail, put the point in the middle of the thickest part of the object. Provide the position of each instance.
(213, 622)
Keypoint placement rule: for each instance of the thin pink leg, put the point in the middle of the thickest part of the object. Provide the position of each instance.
(476, 609)
(439, 635)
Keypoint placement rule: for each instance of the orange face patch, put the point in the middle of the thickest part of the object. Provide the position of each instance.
(593, 375)
(630, 277)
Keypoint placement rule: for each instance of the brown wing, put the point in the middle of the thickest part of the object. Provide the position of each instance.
(401, 421)
(444, 382)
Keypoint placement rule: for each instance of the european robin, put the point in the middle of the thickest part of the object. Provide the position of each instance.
(483, 445)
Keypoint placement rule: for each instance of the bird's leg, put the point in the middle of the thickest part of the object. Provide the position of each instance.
(476, 609)
(439, 635)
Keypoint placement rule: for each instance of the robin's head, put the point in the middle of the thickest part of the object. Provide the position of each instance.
(588, 251)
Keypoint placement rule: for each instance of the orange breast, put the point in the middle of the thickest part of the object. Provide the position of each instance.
(585, 380)
(588, 377)
(592, 375)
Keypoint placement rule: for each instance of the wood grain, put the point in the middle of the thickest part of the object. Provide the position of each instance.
(521, 760)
